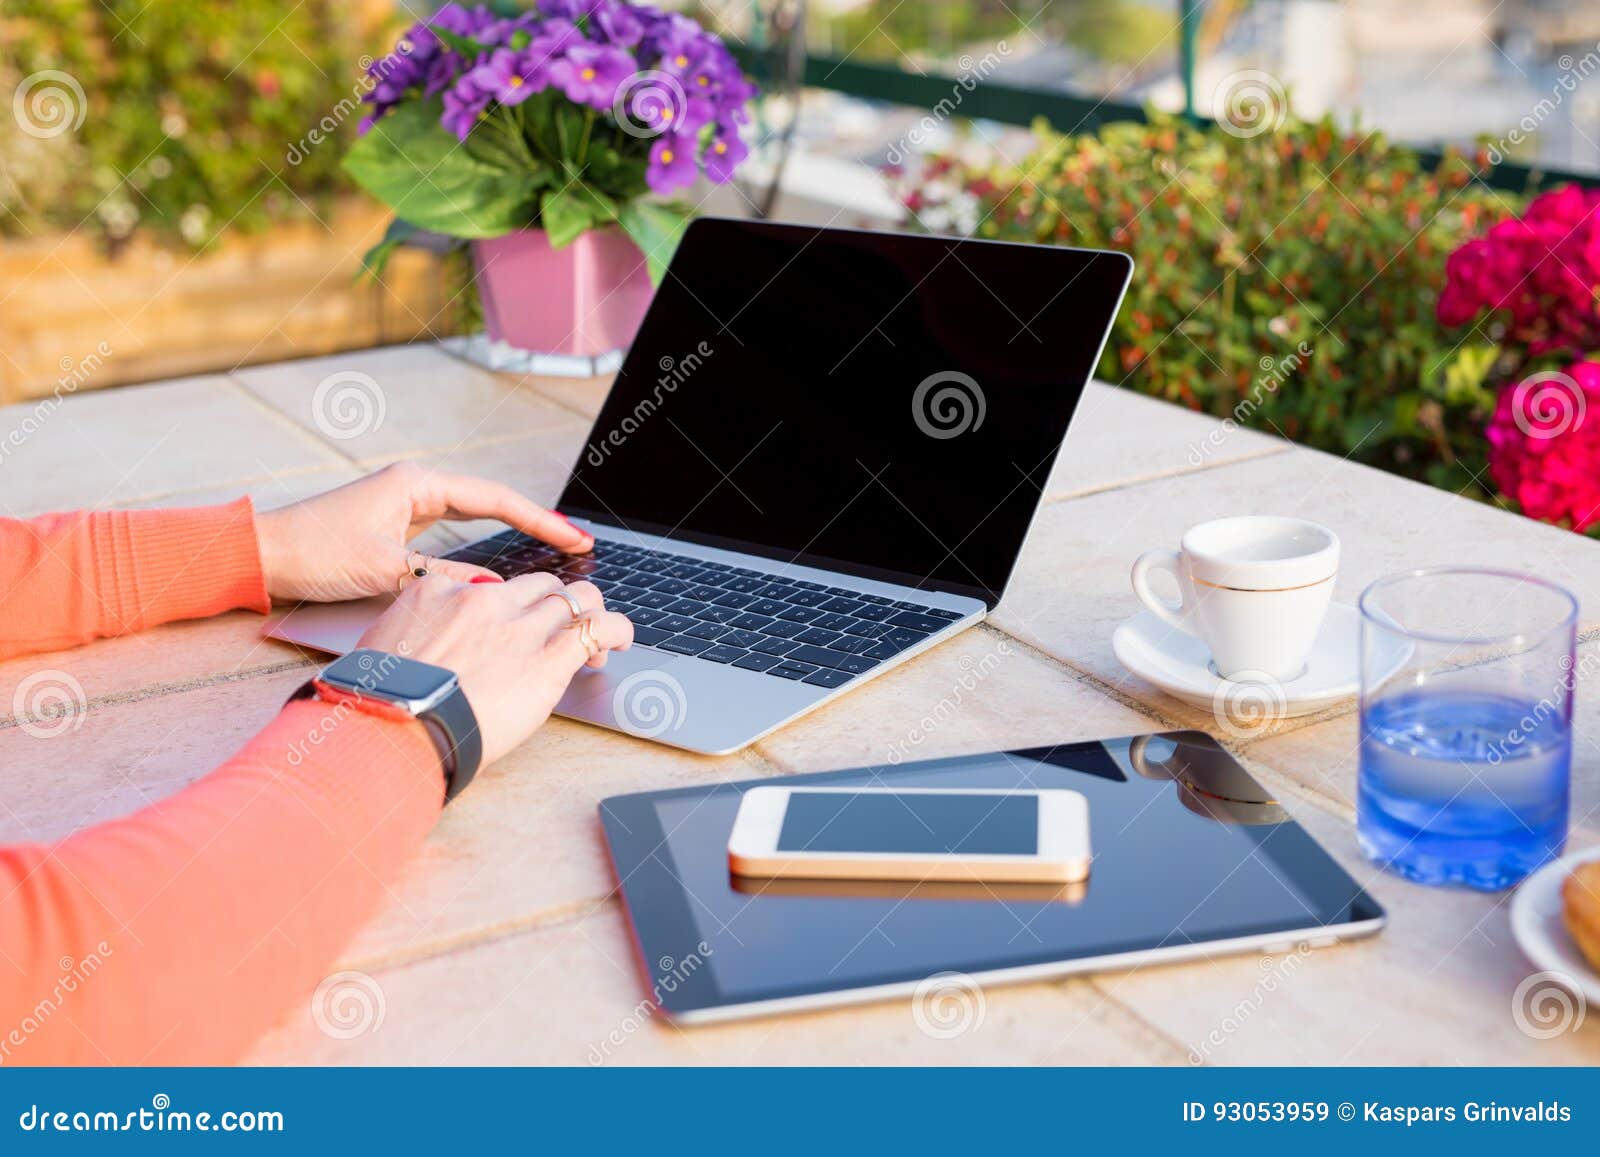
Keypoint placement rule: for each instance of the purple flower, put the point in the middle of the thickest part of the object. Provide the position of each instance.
(672, 164)
(590, 73)
(619, 23)
(464, 105)
(725, 152)
(510, 77)
(568, 9)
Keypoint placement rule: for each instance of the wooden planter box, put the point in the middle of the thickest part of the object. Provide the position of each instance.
(73, 314)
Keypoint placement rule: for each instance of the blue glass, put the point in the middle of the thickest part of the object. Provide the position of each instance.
(1466, 725)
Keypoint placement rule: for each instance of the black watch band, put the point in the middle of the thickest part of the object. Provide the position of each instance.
(450, 722)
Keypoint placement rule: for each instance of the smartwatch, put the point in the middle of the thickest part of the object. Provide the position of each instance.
(378, 683)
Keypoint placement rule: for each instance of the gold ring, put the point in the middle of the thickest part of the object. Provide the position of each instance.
(586, 636)
(573, 604)
(416, 567)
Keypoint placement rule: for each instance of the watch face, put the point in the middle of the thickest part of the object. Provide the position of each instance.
(387, 676)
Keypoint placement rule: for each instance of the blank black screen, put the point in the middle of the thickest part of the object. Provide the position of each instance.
(983, 825)
(884, 404)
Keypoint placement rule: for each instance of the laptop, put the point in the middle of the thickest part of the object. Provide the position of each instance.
(819, 459)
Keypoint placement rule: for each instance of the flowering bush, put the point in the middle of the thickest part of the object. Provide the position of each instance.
(1285, 280)
(562, 118)
(1530, 286)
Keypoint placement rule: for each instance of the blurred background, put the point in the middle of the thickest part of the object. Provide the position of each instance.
(171, 200)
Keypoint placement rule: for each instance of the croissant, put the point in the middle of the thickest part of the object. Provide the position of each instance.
(1580, 902)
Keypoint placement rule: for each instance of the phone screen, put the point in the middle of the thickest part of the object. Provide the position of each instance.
(910, 822)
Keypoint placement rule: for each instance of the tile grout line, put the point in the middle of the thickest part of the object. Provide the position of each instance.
(1164, 476)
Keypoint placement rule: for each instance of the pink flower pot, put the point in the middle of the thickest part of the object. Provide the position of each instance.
(582, 301)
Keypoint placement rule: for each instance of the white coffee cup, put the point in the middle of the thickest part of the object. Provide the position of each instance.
(1254, 589)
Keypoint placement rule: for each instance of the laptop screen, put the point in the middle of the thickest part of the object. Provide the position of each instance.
(881, 404)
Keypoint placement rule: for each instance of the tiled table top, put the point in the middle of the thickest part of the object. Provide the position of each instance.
(505, 941)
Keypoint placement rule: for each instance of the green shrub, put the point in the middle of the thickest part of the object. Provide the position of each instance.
(190, 111)
(1286, 280)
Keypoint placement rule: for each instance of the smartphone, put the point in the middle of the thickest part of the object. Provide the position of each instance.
(867, 833)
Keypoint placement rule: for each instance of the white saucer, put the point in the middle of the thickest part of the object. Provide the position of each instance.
(1542, 934)
(1180, 665)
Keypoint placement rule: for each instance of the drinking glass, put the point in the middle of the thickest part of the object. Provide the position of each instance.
(1466, 724)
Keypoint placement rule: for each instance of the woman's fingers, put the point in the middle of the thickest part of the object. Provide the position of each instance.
(462, 572)
(443, 495)
(610, 631)
(553, 612)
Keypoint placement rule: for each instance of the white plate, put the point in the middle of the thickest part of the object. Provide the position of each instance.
(1542, 934)
(1180, 664)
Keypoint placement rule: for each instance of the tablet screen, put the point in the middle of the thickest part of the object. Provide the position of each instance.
(1189, 850)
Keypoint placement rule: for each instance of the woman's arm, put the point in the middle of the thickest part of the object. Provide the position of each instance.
(180, 934)
(69, 578)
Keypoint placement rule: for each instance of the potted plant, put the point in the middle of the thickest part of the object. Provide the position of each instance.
(540, 138)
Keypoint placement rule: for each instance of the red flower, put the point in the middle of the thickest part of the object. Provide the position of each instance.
(1544, 445)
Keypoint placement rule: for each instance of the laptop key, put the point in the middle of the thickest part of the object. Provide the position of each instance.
(883, 651)
(722, 653)
(800, 614)
(827, 678)
(704, 593)
(744, 583)
(750, 622)
(649, 636)
(874, 613)
(735, 600)
(776, 591)
(684, 645)
(817, 636)
(770, 646)
(782, 630)
(791, 671)
(670, 586)
(826, 657)
(641, 616)
(900, 638)
(716, 614)
(685, 607)
(808, 586)
(756, 662)
(770, 607)
(808, 598)
(675, 623)
(627, 593)
(649, 565)
(877, 599)
(655, 599)
(853, 644)
(706, 631)
(843, 606)
(683, 570)
(867, 630)
(915, 622)
(833, 622)
(739, 638)
(941, 613)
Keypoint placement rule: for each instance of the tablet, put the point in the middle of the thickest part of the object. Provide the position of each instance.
(1192, 857)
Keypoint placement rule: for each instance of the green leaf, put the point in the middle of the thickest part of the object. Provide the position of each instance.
(396, 235)
(656, 229)
(566, 215)
(411, 163)
(464, 45)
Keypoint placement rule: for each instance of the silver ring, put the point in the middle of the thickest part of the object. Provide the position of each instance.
(573, 604)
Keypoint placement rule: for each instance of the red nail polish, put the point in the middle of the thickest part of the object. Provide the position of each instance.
(486, 578)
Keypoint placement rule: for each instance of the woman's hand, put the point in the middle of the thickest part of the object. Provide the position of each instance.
(351, 542)
(512, 644)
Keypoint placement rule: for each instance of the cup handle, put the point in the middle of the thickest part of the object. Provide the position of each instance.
(1166, 560)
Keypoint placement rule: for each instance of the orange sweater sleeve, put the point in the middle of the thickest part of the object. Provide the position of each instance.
(69, 578)
(181, 933)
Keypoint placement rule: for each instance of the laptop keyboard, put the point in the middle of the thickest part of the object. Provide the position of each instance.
(804, 631)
